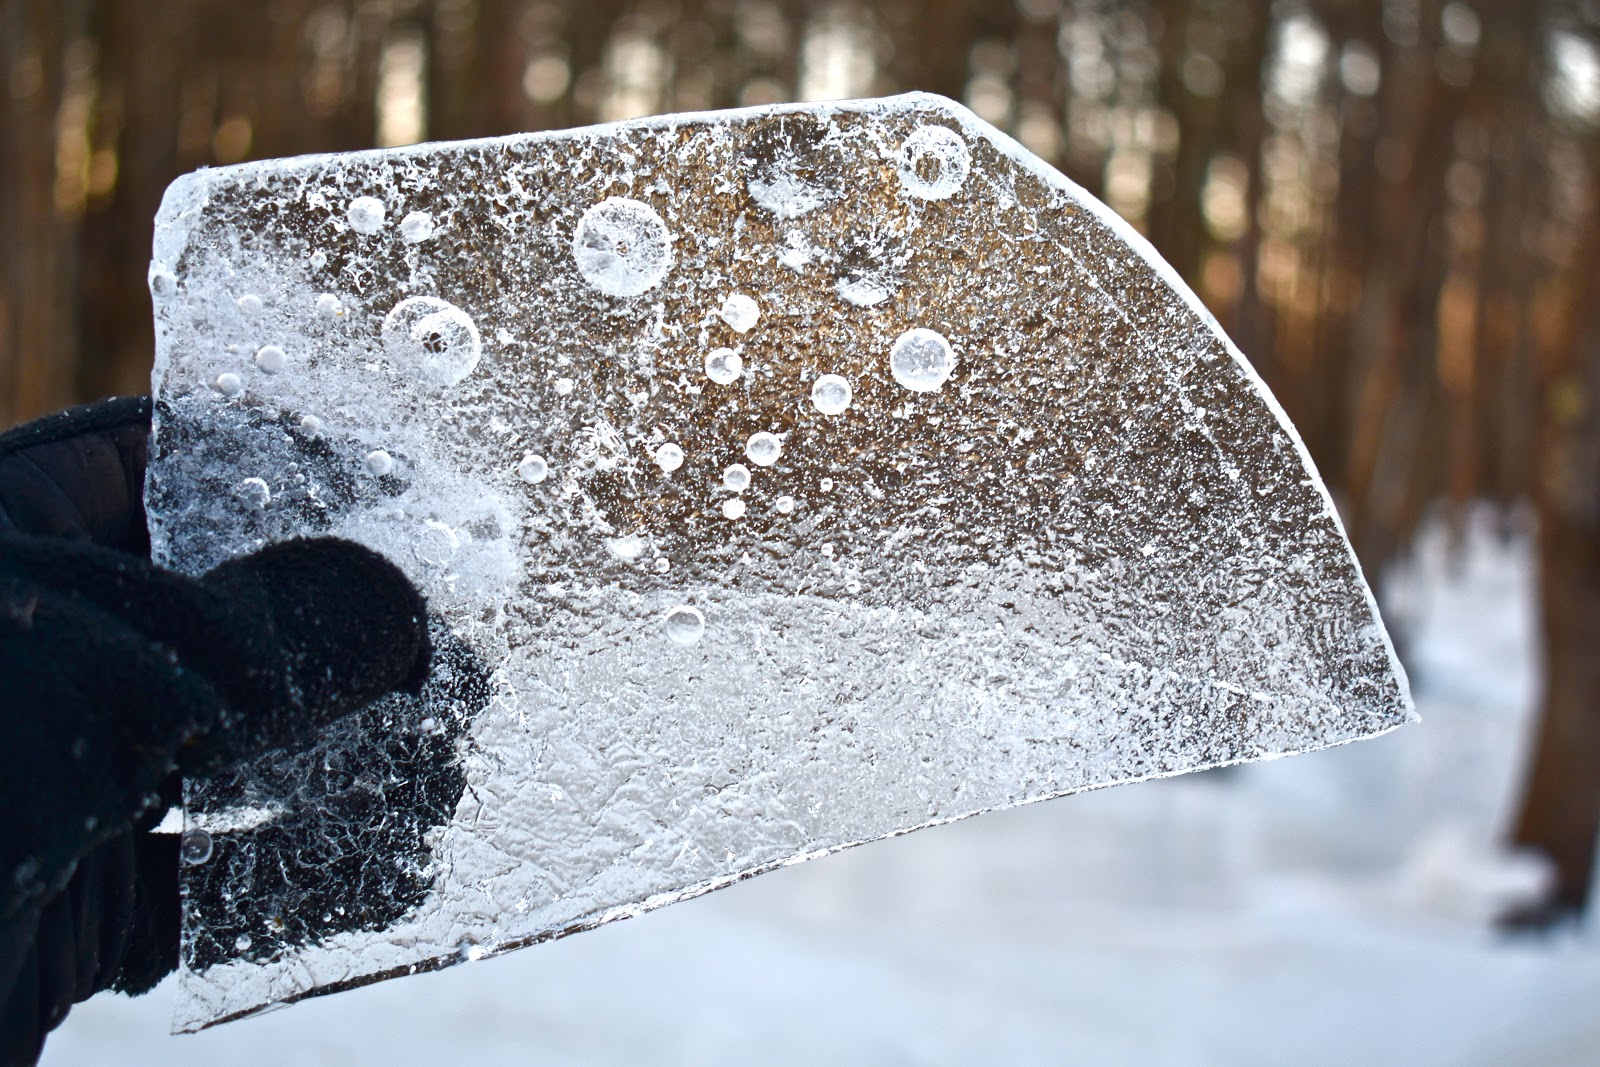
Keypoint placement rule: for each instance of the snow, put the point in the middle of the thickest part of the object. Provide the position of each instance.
(1300, 911)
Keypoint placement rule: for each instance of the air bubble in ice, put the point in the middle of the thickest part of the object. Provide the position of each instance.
(533, 469)
(564, 386)
(733, 509)
(934, 163)
(195, 847)
(684, 625)
(378, 463)
(416, 227)
(826, 485)
(318, 260)
(437, 543)
(628, 547)
(250, 304)
(270, 359)
(763, 448)
(310, 423)
(921, 360)
(736, 478)
(329, 306)
(784, 505)
(229, 384)
(669, 457)
(241, 943)
(740, 312)
(432, 339)
(663, 565)
(365, 214)
(830, 394)
(255, 492)
(723, 366)
(163, 283)
(622, 247)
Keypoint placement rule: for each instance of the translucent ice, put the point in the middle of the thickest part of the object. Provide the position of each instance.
(984, 548)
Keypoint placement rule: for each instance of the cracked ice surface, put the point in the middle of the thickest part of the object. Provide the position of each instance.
(1011, 518)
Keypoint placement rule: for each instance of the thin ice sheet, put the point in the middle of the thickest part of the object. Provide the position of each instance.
(781, 480)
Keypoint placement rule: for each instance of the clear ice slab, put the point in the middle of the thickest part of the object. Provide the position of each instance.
(780, 480)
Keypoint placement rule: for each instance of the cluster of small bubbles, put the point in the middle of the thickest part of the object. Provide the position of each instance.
(736, 478)
(669, 457)
(826, 485)
(378, 463)
(723, 366)
(241, 943)
(250, 304)
(622, 247)
(921, 360)
(432, 339)
(270, 359)
(416, 227)
(533, 469)
(763, 448)
(830, 394)
(195, 847)
(733, 509)
(310, 424)
(663, 565)
(365, 214)
(934, 163)
(784, 505)
(684, 625)
(437, 544)
(740, 312)
(163, 283)
(228, 384)
(255, 492)
(329, 306)
(564, 386)
(318, 260)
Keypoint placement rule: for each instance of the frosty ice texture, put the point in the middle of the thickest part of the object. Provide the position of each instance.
(1014, 518)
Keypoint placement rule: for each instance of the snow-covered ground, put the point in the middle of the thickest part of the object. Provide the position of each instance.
(1326, 909)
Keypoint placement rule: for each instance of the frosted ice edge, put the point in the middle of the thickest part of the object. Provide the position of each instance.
(445, 549)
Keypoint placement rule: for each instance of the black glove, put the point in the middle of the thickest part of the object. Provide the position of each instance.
(115, 674)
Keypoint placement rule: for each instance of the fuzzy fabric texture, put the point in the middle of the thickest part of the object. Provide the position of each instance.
(116, 675)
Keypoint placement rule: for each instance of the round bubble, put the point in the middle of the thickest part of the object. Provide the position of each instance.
(724, 365)
(378, 463)
(564, 386)
(365, 214)
(241, 943)
(195, 847)
(669, 457)
(662, 565)
(270, 359)
(533, 469)
(736, 478)
(784, 504)
(830, 394)
(310, 424)
(733, 509)
(934, 163)
(163, 283)
(229, 384)
(826, 485)
(329, 306)
(432, 339)
(255, 492)
(416, 227)
(250, 304)
(622, 247)
(436, 543)
(684, 625)
(763, 448)
(319, 259)
(740, 312)
(921, 360)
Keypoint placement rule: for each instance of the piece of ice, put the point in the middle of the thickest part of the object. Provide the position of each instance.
(255, 492)
(723, 366)
(937, 605)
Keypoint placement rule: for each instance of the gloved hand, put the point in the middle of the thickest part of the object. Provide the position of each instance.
(117, 676)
